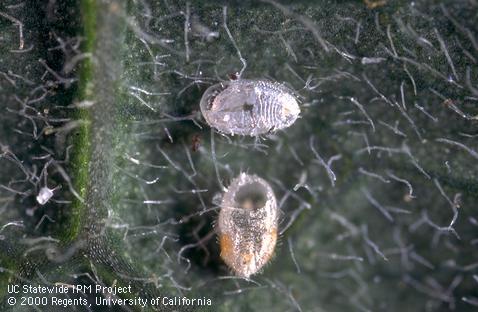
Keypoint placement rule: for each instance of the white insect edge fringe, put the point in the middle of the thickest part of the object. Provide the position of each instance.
(247, 225)
(249, 107)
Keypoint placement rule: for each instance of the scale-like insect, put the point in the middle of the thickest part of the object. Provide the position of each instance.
(247, 224)
(249, 107)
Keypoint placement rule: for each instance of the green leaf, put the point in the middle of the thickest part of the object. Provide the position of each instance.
(376, 181)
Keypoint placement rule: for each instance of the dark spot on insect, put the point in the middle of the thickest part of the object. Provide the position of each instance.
(195, 142)
(248, 107)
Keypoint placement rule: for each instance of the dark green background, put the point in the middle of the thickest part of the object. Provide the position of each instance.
(359, 243)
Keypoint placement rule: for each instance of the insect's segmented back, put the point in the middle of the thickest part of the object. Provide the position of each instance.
(249, 107)
(247, 224)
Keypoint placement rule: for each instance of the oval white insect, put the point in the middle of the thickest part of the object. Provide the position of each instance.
(247, 224)
(249, 107)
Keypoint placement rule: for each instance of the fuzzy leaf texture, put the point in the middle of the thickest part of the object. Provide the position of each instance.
(110, 176)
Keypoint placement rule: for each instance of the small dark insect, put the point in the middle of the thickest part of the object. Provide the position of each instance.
(195, 142)
(233, 76)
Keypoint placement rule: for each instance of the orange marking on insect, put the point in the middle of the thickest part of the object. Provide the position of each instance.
(226, 244)
(272, 243)
(246, 257)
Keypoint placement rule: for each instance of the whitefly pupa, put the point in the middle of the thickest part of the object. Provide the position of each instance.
(247, 224)
(249, 107)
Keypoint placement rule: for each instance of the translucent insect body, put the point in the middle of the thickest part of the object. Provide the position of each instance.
(249, 107)
(247, 224)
